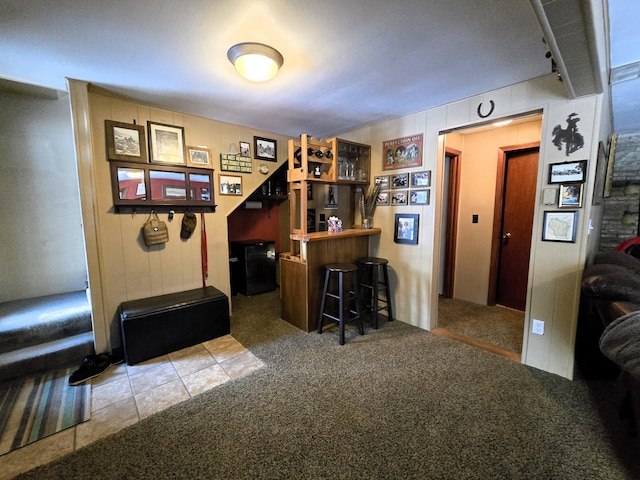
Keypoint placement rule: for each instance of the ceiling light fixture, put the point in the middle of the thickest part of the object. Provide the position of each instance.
(255, 61)
(502, 123)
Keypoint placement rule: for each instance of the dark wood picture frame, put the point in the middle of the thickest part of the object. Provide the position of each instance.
(568, 172)
(601, 173)
(608, 181)
(125, 142)
(133, 187)
(166, 144)
(406, 228)
(265, 149)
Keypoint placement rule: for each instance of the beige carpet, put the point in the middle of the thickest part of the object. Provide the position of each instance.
(499, 326)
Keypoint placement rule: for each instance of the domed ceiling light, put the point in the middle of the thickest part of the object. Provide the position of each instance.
(255, 61)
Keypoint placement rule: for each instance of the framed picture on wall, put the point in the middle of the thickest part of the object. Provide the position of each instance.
(265, 149)
(406, 228)
(601, 172)
(608, 179)
(230, 184)
(311, 220)
(402, 152)
(166, 143)
(125, 142)
(245, 150)
(383, 180)
(559, 226)
(568, 172)
(198, 157)
(571, 195)
(421, 179)
(382, 198)
(400, 180)
(399, 198)
(419, 197)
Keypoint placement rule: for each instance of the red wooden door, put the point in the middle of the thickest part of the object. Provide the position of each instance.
(521, 172)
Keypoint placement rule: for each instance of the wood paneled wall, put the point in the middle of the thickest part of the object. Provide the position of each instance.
(127, 268)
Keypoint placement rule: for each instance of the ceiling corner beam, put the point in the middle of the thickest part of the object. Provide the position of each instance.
(550, 40)
(569, 30)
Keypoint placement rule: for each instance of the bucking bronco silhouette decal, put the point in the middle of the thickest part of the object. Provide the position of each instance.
(572, 140)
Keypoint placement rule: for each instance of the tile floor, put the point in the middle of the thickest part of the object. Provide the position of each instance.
(125, 394)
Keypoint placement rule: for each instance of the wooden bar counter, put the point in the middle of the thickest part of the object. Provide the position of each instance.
(302, 276)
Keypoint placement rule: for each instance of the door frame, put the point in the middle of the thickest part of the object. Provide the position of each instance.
(501, 170)
(451, 225)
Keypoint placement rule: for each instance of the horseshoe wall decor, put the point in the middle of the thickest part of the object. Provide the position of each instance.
(493, 106)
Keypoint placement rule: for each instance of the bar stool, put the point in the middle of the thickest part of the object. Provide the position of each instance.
(344, 295)
(371, 283)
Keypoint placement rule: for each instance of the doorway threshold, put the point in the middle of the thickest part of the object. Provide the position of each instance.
(501, 352)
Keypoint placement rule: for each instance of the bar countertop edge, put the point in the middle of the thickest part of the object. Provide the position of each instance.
(322, 236)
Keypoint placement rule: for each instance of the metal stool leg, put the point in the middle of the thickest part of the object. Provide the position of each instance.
(387, 291)
(374, 282)
(324, 298)
(357, 302)
(341, 293)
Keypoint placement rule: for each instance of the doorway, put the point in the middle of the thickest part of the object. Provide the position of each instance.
(516, 181)
(452, 161)
(489, 177)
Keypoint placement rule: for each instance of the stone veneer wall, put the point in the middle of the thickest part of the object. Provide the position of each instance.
(626, 169)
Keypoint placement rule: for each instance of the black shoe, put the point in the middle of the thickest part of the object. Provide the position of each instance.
(116, 359)
(93, 359)
(93, 365)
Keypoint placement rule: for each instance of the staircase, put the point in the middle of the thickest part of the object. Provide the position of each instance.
(44, 333)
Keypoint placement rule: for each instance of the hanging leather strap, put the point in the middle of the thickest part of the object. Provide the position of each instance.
(203, 250)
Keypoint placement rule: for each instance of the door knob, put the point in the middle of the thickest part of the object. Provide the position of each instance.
(506, 236)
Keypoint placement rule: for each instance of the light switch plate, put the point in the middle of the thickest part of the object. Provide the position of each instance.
(538, 327)
(549, 196)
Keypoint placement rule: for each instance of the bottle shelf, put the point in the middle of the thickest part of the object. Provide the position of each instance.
(342, 162)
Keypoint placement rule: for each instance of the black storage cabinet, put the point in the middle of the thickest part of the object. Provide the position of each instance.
(255, 270)
(158, 325)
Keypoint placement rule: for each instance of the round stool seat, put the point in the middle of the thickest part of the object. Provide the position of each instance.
(373, 261)
(341, 267)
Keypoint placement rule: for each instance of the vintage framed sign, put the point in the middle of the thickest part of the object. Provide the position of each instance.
(235, 163)
(402, 152)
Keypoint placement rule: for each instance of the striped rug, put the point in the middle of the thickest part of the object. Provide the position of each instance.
(39, 406)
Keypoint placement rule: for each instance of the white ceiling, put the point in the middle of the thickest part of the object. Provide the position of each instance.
(347, 63)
